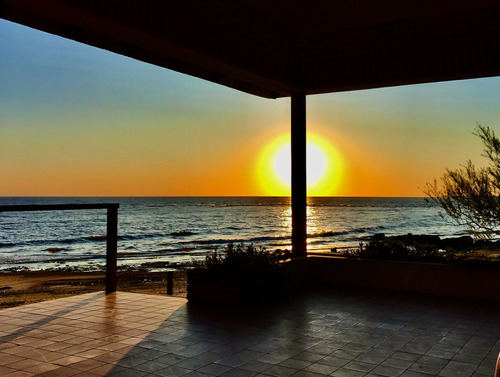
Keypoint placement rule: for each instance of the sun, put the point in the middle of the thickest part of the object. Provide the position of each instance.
(324, 167)
(316, 164)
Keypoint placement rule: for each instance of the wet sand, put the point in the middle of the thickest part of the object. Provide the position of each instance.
(19, 288)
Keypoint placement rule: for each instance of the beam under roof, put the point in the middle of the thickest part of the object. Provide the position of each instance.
(282, 47)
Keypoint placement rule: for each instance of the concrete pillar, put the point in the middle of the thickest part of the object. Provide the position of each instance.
(299, 177)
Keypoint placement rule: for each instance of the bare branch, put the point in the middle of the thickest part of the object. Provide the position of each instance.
(470, 195)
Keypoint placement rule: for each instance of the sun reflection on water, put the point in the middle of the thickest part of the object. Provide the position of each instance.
(313, 227)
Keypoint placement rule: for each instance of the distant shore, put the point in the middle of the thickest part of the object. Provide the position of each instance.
(20, 288)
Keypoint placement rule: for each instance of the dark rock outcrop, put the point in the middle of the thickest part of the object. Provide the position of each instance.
(454, 243)
(457, 243)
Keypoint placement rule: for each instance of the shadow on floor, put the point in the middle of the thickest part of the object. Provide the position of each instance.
(343, 332)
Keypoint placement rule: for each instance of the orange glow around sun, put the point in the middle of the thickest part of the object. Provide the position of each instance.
(324, 167)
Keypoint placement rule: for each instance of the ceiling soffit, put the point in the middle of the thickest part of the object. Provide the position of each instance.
(278, 48)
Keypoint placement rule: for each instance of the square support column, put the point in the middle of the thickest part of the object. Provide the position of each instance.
(111, 249)
(299, 176)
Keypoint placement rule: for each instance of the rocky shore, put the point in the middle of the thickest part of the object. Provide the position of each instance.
(462, 243)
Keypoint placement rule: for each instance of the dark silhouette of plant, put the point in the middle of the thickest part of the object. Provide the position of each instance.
(470, 195)
(385, 249)
(256, 271)
(395, 248)
(408, 248)
(240, 275)
(241, 260)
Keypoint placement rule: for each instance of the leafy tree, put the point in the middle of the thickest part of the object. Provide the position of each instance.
(470, 195)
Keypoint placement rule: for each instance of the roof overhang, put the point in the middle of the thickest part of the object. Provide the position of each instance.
(281, 47)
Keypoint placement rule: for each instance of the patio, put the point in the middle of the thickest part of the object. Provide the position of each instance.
(336, 333)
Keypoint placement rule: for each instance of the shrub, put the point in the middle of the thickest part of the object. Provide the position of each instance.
(385, 249)
(254, 273)
(405, 248)
(240, 260)
(470, 195)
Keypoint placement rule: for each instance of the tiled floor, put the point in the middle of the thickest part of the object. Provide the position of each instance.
(339, 333)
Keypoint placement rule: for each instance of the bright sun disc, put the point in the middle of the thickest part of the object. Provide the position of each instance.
(316, 164)
(324, 167)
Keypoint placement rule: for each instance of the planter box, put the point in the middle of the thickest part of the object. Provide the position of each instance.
(321, 271)
(432, 278)
(204, 286)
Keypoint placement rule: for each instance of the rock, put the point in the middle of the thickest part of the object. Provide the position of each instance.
(423, 239)
(457, 243)
(427, 239)
(480, 244)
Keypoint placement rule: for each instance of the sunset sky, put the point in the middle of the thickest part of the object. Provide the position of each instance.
(79, 121)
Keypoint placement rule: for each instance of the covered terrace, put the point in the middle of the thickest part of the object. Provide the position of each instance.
(270, 49)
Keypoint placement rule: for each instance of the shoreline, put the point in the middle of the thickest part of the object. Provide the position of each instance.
(29, 286)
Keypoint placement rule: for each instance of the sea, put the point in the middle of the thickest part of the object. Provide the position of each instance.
(157, 233)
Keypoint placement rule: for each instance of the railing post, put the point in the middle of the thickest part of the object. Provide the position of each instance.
(170, 283)
(111, 249)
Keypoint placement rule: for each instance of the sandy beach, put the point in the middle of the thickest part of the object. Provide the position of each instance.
(19, 288)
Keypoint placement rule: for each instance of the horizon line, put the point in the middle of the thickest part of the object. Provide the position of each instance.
(206, 196)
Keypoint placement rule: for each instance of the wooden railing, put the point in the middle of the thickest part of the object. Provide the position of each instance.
(111, 231)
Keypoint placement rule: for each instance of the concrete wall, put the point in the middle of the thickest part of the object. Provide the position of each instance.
(432, 278)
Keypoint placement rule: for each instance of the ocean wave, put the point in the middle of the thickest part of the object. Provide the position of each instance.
(40, 242)
(215, 241)
(128, 253)
(268, 238)
(314, 242)
(223, 241)
(281, 244)
(70, 241)
(52, 259)
(368, 228)
(163, 252)
(96, 238)
(175, 234)
(329, 233)
(161, 264)
(55, 249)
(65, 241)
(133, 237)
(182, 233)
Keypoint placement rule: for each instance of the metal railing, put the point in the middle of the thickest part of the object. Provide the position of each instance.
(111, 231)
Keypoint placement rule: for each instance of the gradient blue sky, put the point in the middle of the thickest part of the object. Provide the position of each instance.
(76, 120)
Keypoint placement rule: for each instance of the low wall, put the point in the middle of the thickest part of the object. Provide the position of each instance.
(432, 278)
